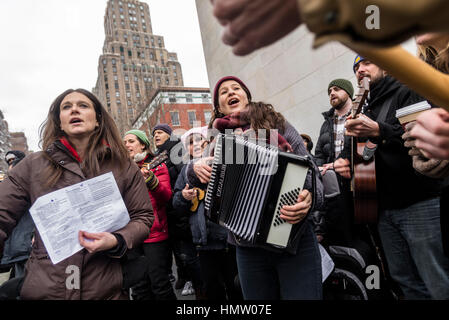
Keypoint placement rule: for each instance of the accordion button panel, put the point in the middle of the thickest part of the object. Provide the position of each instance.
(287, 199)
(292, 184)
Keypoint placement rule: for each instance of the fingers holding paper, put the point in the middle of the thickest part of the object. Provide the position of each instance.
(96, 242)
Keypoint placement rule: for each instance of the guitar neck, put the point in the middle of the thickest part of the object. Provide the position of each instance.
(357, 105)
(157, 160)
(361, 97)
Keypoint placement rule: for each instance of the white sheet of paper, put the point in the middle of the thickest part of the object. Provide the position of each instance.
(327, 264)
(94, 205)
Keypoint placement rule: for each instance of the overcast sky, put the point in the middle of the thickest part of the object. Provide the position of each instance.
(48, 46)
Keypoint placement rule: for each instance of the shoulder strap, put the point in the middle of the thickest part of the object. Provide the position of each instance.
(385, 108)
(370, 147)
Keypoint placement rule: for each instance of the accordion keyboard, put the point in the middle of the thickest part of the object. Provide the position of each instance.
(217, 176)
(239, 193)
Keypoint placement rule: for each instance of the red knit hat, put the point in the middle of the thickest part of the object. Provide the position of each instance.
(219, 82)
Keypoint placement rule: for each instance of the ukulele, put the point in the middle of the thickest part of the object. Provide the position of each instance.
(363, 167)
(196, 201)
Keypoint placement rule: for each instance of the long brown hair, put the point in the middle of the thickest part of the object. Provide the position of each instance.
(439, 60)
(104, 142)
(259, 115)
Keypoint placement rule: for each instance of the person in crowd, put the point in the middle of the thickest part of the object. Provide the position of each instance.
(79, 141)
(156, 247)
(409, 204)
(18, 245)
(178, 225)
(333, 148)
(13, 157)
(308, 143)
(431, 132)
(332, 144)
(217, 258)
(427, 145)
(265, 274)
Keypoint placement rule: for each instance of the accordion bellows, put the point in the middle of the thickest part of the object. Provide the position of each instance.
(250, 182)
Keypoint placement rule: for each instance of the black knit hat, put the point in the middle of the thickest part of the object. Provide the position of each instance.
(164, 127)
(343, 84)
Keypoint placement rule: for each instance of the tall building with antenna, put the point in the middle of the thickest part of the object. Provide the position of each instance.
(134, 63)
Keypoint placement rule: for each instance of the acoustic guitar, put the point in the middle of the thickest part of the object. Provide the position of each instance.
(363, 167)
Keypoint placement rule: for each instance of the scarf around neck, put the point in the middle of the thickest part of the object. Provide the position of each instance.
(238, 121)
(71, 149)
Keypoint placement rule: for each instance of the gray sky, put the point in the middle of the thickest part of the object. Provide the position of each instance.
(48, 46)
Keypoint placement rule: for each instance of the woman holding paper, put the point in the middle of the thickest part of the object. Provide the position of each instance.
(80, 142)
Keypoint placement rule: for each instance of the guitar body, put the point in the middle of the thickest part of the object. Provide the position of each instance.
(364, 188)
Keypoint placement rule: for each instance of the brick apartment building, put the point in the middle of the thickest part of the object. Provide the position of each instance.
(19, 142)
(181, 108)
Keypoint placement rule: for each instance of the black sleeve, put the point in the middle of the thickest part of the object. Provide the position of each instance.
(319, 157)
(391, 130)
(318, 221)
(119, 250)
(179, 203)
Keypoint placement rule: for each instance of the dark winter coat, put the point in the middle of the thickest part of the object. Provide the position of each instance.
(173, 169)
(325, 147)
(398, 184)
(334, 222)
(178, 225)
(100, 273)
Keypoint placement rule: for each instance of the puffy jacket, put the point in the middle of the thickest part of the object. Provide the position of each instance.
(323, 220)
(100, 273)
(325, 147)
(159, 199)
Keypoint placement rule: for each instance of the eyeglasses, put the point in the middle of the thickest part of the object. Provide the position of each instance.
(9, 161)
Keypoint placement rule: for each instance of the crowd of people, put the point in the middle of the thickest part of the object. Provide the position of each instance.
(165, 197)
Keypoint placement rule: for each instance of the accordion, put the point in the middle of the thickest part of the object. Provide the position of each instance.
(249, 185)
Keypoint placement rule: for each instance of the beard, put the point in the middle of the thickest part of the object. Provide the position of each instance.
(339, 103)
(376, 78)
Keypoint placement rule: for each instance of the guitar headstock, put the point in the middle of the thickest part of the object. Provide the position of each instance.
(361, 96)
(160, 158)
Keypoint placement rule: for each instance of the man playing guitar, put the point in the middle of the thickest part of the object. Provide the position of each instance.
(408, 203)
